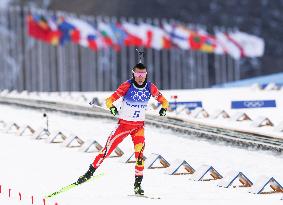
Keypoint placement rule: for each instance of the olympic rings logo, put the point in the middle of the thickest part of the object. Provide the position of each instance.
(140, 95)
(253, 104)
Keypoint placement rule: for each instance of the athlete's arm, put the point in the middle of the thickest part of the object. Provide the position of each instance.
(158, 96)
(121, 91)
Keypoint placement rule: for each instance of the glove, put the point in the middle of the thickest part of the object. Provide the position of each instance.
(162, 111)
(113, 110)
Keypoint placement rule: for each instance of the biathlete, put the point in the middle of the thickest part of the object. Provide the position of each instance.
(136, 93)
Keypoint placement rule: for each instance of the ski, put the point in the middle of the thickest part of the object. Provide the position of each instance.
(144, 196)
(71, 186)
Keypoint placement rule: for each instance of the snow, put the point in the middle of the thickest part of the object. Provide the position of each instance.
(212, 100)
(34, 167)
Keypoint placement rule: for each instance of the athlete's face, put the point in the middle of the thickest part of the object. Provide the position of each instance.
(140, 75)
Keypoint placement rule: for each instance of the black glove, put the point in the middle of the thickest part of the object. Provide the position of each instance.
(162, 111)
(113, 110)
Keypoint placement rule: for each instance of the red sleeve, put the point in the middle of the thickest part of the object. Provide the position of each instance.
(121, 91)
(158, 96)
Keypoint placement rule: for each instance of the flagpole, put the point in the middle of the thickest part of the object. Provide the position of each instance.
(172, 64)
(114, 62)
(150, 57)
(230, 65)
(236, 64)
(205, 64)
(123, 56)
(132, 52)
(178, 66)
(165, 63)
(194, 65)
(157, 53)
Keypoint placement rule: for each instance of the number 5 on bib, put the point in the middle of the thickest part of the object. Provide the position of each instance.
(136, 114)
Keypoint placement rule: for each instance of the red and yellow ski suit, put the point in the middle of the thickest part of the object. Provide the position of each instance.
(131, 120)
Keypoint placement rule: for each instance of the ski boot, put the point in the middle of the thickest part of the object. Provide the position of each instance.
(87, 175)
(137, 185)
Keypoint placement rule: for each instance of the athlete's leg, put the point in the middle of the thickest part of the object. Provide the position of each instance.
(138, 140)
(139, 145)
(113, 141)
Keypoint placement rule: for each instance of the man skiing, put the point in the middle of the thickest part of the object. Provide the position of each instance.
(136, 93)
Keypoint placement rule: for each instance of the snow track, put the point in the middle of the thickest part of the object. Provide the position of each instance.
(33, 167)
(192, 129)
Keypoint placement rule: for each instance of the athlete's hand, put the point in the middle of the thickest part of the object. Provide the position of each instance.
(113, 110)
(162, 111)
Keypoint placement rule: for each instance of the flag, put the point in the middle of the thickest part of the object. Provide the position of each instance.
(54, 32)
(92, 42)
(135, 35)
(229, 45)
(145, 32)
(43, 28)
(156, 37)
(179, 35)
(34, 29)
(202, 41)
(196, 40)
(84, 33)
(67, 31)
(211, 44)
(252, 46)
(108, 35)
(119, 32)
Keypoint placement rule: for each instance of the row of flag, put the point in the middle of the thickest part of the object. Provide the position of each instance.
(58, 30)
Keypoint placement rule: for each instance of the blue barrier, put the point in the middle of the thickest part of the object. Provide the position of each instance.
(264, 85)
(189, 105)
(253, 104)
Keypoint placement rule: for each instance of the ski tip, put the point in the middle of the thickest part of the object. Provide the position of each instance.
(66, 188)
(50, 195)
